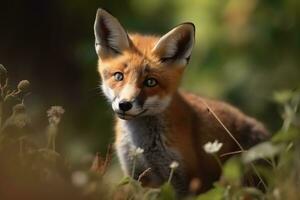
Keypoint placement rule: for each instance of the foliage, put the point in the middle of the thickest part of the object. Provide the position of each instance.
(29, 160)
(245, 50)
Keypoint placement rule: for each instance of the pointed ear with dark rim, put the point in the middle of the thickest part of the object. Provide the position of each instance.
(110, 37)
(177, 44)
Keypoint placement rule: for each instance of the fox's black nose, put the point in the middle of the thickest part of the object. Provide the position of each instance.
(125, 105)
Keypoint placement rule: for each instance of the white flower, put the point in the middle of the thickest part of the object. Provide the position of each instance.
(79, 178)
(212, 148)
(174, 165)
(136, 152)
(139, 151)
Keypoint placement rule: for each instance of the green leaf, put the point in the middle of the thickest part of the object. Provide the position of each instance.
(286, 136)
(232, 170)
(267, 173)
(151, 193)
(167, 192)
(216, 193)
(249, 193)
(283, 96)
(262, 150)
(125, 180)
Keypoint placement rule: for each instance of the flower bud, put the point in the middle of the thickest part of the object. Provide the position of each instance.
(23, 86)
(19, 108)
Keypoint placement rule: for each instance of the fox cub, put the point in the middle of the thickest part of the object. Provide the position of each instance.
(140, 78)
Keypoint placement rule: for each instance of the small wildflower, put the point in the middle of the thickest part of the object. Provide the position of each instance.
(212, 148)
(23, 86)
(54, 116)
(55, 110)
(55, 113)
(137, 151)
(174, 165)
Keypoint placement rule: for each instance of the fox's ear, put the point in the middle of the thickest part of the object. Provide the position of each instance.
(110, 37)
(177, 44)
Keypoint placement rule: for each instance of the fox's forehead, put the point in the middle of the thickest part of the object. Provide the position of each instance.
(144, 43)
(128, 61)
(139, 55)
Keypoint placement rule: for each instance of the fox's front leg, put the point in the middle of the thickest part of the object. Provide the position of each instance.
(157, 164)
(160, 162)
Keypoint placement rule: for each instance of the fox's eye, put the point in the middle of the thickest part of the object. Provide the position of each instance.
(150, 82)
(118, 76)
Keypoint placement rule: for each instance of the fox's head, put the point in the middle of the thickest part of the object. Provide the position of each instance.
(140, 73)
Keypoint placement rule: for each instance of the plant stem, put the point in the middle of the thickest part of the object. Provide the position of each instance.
(235, 140)
(171, 176)
(218, 161)
(133, 167)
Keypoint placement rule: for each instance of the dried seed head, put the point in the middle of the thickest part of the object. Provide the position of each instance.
(54, 114)
(19, 108)
(19, 119)
(23, 86)
(3, 75)
(55, 111)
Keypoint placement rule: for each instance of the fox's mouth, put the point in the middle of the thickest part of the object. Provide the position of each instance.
(125, 116)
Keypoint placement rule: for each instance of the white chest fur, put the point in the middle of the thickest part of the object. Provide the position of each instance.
(148, 133)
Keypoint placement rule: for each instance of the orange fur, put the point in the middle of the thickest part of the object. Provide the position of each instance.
(133, 60)
(189, 122)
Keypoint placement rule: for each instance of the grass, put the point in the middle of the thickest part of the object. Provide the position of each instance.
(31, 169)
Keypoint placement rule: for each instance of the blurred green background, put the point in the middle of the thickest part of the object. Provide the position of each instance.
(245, 50)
